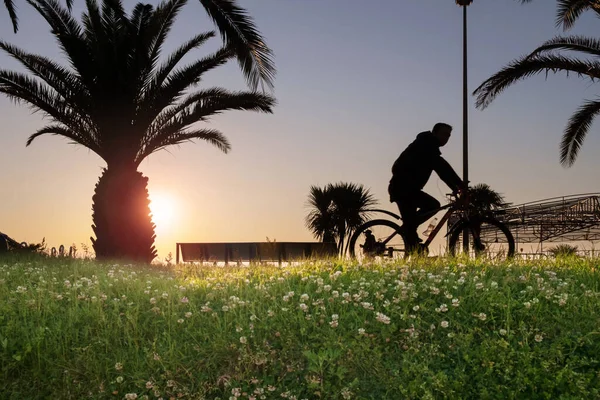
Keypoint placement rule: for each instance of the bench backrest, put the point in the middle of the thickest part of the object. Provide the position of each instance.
(253, 251)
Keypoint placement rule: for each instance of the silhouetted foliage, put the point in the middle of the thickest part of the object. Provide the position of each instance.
(563, 250)
(484, 200)
(337, 210)
(568, 11)
(10, 245)
(555, 55)
(235, 26)
(12, 12)
(120, 102)
(320, 221)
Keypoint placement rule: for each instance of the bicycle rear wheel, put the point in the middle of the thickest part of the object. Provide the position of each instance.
(389, 243)
(488, 238)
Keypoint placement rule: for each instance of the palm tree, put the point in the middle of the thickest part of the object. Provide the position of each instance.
(121, 103)
(320, 220)
(485, 200)
(563, 250)
(337, 210)
(235, 26)
(552, 56)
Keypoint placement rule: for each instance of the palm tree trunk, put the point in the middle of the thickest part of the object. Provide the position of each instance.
(121, 216)
(349, 236)
(342, 238)
(328, 237)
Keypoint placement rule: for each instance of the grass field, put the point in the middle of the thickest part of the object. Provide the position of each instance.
(435, 329)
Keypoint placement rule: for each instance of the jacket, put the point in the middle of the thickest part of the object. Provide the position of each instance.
(413, 168)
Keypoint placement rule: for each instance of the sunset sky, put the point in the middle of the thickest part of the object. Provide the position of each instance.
(357, 80)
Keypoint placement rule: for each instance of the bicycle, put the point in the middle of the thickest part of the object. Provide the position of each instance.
(385, 238)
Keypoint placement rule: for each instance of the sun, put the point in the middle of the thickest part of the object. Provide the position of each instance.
(162, 207)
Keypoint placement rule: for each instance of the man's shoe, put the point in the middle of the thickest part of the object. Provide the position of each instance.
(402, 231)
(418, 249)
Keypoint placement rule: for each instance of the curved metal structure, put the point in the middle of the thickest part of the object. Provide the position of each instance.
(557, 219)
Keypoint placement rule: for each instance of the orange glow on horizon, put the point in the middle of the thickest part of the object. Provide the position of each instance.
(164, 211)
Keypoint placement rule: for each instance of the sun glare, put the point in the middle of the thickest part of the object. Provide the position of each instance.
(162, 207)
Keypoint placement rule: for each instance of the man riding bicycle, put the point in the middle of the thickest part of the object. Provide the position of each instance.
(410, 173)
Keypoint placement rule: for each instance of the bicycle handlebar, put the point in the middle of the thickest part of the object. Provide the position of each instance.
(459, 194)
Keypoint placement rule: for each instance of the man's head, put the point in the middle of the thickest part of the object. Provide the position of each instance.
(442, 132)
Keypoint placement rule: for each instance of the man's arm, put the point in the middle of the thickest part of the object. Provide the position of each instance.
(447, 174)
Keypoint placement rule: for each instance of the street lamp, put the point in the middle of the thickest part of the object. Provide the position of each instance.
(464, 4)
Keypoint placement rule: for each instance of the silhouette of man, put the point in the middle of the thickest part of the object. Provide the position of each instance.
(370, 242)
(410, 173)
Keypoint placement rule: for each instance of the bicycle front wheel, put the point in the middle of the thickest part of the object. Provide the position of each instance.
(488, 238)
(386, 242)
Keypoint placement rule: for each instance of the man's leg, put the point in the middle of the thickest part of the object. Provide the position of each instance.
(408, 211)
(425, 204)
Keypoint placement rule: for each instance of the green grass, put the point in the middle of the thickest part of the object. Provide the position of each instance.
(72, 329)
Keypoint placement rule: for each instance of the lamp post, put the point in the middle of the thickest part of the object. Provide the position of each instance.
(464, 4)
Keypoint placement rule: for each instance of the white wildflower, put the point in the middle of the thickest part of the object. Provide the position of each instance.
(538, 338)
(382, 318)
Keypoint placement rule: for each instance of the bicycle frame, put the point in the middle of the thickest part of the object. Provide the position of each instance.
(451, 207)
(438, 227)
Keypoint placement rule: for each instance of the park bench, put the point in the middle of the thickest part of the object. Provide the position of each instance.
(253, 252)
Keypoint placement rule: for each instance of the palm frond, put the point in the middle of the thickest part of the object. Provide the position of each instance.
(163, 19)
(571, 43)
(568, 11)
(158, 98)
(525, 67)
(199, 106)
(240, 34)
(205, 103)
(80, 137)
(10, 7)
(68, 32)
(180, 79)
(140, 27)
(92, 23)
(152, 88)
(63, 81)
(113, 16)
(212, 136)
(169, 65)
(22, 88)
(576, 130)
(140, 18)
(40, 97)
(110, 50)
(140, 61)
